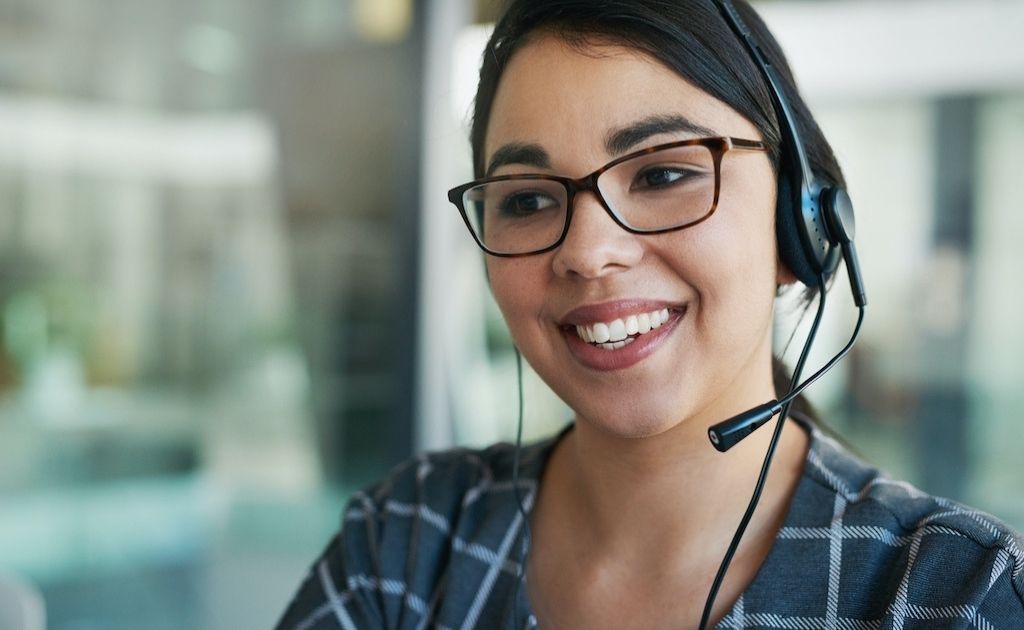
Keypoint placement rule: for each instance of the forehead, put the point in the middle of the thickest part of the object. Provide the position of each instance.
(571, 97)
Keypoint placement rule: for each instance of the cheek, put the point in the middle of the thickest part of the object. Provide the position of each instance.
(736, 285)
(518, 288)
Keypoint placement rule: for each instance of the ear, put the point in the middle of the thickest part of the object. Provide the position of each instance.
(783, 275)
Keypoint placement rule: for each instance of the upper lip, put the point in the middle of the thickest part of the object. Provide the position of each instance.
(612, 310)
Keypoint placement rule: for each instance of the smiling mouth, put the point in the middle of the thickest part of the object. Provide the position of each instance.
(621, 332)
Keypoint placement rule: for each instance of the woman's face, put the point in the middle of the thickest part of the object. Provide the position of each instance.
(716, 280)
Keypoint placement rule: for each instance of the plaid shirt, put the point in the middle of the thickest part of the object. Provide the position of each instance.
(439, 545)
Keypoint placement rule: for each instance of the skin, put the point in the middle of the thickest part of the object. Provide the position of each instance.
(635, 509)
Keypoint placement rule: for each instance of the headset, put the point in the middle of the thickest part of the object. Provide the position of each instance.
(814, 228)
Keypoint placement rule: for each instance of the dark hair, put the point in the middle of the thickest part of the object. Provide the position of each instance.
(691, 38)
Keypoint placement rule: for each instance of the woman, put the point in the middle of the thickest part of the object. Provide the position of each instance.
(644, 297)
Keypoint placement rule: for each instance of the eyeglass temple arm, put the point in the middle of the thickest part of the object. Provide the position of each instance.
(739, 144)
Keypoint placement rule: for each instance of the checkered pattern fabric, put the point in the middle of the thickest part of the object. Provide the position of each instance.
(438, 545)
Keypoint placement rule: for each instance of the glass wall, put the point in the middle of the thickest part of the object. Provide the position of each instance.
(207, 227)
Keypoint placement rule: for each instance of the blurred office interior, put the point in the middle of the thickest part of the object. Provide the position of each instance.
(232, 290)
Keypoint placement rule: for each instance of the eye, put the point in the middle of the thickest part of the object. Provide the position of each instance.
(526, 203)
(654, 177)
(658, 177)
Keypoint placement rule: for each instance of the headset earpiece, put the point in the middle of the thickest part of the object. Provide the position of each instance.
(805, 240)
(812, 245)
(792, 251)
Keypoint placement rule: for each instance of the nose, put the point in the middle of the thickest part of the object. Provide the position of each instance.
(595, 245)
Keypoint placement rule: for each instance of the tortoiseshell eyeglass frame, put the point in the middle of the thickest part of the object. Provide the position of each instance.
(717, 146)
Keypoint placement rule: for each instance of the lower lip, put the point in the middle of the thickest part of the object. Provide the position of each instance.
(632, 353)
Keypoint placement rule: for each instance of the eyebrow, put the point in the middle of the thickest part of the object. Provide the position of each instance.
(518, 153)
(622, 140)
(618, 141)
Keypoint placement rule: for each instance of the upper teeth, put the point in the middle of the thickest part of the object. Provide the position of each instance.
(620, 329)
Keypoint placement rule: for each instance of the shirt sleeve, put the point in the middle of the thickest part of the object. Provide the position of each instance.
(341, 590)
(1003, 605)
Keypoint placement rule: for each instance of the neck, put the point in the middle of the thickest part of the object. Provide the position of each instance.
(680, 494)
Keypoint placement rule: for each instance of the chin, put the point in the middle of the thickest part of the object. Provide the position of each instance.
(629, 423)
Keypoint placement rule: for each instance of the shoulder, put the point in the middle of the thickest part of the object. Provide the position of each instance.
(448, 495)
(453, 491)
(902, 553)
(439, 522)
(444, 480)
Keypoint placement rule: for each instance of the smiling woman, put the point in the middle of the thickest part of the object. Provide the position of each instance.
(644, 191)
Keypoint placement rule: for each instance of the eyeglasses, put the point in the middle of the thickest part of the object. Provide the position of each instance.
(659, 189)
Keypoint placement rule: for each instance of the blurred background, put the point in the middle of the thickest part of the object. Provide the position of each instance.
(232, 290)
